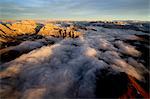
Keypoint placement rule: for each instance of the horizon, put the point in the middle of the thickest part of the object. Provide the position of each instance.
(91, 10)
(87, 20)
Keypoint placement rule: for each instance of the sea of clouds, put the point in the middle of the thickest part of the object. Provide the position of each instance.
(70, 67)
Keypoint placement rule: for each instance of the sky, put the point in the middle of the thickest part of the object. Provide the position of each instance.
(75, 9)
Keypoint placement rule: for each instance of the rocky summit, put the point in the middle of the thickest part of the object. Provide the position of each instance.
(55, 31)
(18, 28)
(74, 59)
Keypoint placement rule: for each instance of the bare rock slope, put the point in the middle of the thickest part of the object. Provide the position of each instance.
(55, 31)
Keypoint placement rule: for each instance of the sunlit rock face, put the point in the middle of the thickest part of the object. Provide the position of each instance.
(23, 27)
(5, 30)
(74, 62)
(49, 29)
(55, 31)
(9, 32)
(19, 28)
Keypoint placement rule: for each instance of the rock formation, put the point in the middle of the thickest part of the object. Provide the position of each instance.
(55, 31)
(23, 27)
(9, 31)
(18, 28)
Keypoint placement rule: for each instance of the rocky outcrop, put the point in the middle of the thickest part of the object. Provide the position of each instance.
(30, 27)
(5, 30)
(18, 28)
(12, 34)
(23, 27)
(9, 31)
(55, 31)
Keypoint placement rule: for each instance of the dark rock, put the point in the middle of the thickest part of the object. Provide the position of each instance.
(109, 84)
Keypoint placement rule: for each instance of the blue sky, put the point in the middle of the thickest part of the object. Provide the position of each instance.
(75, 9)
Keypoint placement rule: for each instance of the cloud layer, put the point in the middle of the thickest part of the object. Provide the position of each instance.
(71, 68)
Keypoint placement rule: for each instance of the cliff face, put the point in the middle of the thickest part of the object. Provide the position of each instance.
(9, 32)
(23, 27)
(55, 31)
(29, 27)
(18, 28)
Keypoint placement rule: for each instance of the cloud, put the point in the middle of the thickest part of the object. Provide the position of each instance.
(71, 67)
(127, 49)
(75, 8)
